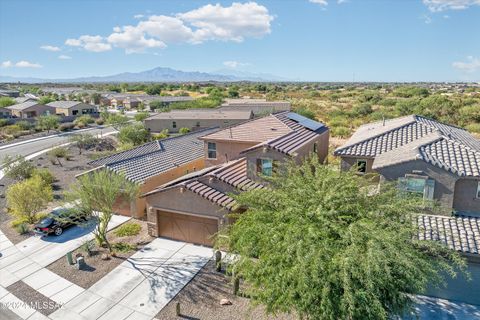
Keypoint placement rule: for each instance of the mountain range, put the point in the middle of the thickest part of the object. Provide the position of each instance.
(159, 74)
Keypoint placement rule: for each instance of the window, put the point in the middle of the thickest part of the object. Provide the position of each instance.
(212, 150)
(74, 112)
(265, 166)
(315, 148)
(416, 184)
(174, 124)
(362, 166)
(478, 190)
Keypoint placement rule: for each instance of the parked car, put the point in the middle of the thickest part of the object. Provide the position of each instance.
(57, 221)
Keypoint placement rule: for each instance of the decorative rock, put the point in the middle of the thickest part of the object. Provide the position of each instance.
(105, 256)
(225, 302)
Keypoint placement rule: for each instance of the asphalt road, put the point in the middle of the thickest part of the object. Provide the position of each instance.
(29, 147)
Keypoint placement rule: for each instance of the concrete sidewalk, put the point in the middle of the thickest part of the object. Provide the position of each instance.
(142, 285)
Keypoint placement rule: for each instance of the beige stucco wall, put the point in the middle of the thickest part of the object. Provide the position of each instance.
(80, 107)
(39, 110)
(226, 151)
(157, 125)
(465, 199)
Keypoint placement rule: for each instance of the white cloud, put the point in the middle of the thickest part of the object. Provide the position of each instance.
(471, 65)
(320, 2)
(20, 64)
(426, 18)
(442, 5)
(7, 64)
(138, 16)
(64, 57)
(235, 64)
(50, 48)
(90, 43)
(207, 23)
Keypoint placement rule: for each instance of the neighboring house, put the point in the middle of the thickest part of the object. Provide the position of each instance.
(9, 93)
(25, 99)
(132, 101)
(5, 113)
(195, 119)
(30, 109)
(155, 163)
(259, 107)
(272, 132)
(194, 207)
(438, 161)
(72, 108)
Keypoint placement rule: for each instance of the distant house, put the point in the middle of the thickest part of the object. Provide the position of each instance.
(5, 113)
(132, 101)
(195, 119)
(30, 109)
(194, 207)
(435, 160)
(72, 108)
(9, 93)
(25, 99)
(259, 107)
(155, 163)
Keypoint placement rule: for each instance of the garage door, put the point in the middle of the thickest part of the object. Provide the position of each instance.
(187, 228)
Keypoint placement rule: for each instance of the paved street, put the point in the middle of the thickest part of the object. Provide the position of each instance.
(28, 147)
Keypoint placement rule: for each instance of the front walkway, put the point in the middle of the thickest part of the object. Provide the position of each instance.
(142, 285)
(27, 260)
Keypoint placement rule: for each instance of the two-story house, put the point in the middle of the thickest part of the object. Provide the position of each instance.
(194, 207)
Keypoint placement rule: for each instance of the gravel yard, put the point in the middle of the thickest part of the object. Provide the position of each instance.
(96, 267)
(200, 299)
(33, 298)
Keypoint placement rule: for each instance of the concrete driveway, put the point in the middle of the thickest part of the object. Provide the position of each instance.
(142, 285)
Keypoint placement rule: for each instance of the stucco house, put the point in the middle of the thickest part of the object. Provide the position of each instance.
(438, 161)
(153, 164)
(194, 207)
(195, 119)
(5, 113)
(72, 108)
(30, 109)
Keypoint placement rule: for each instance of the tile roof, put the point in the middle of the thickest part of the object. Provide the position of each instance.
(460, 233)
(155, 157)
(23, 105)
(64, 104)
(233, 173)
(203, 114)
(446, 146)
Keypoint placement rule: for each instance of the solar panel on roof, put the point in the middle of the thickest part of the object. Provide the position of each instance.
(303, 121)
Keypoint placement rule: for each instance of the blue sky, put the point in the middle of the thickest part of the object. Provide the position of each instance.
(312, 40)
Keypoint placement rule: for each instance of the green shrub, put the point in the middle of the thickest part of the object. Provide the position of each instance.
(184, 130)
(140, 116)
(474, 127)
(362, 110)
(3, 122)
(66, 126)
(84, 120)
(57, 153)
(45, 175)
(24, 125)
(307, 113)
(17, 168)
(128, 229)
(123, 247)
(12, 129)
(342, 132)
(161, 135)
(100, 121)
(135, 134)
(22, 228)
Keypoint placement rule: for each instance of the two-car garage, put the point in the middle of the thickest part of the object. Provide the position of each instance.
(188, 228)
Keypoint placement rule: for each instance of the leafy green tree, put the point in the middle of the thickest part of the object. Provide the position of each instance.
(184, 130)
(83, 141)
(17, 167)
(116, 120)
(135, 134)
(96, 194)
(140, 116)
(154, 89)
(48, 122)
(25, 199)
(6, 102)
(320, 244)
(45, 100)
(95, 98)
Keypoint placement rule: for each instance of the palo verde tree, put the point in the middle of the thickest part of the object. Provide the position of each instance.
(83, 140)
(48, 122)
(95, 195)
(320, 244)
